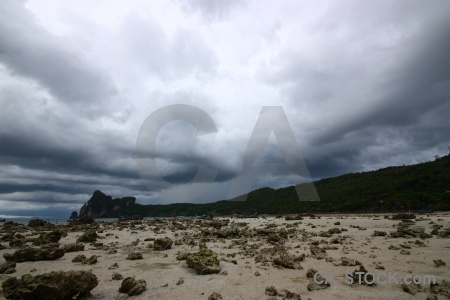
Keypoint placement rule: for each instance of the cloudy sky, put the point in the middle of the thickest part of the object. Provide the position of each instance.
(363, 84)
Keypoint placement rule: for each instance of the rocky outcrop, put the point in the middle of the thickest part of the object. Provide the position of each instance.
(204, 262)
(162, 244)
(28, 253)
(54, 285)
(133, 287)
(102, 206)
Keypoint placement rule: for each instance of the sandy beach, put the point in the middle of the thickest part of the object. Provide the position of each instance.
(253, 255)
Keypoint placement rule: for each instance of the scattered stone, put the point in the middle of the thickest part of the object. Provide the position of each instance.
(257, 274)
(79, 258)
(181, 281)
(442, 288)
(412, 288)
(7, 266)
(439, 262)
(287, 262)
(116, 276)
(271, 291)
(28, 253)
(73, 247)
(182, 255)
(113, 266)
(392, 247)
(54, 285)
(162, 244)
(204, 262)
(405, 252)
(88, 237)
(223, 272)
(379, 233)
(362, 277)
(134, 256)
(90, 261)
(285, 294)
(318, 252)
(432, 297)
(310, 273)
(133, 287)
(215, 296)
(48, 238)
(319, 283)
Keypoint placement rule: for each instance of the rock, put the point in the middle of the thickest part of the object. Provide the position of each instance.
(223, 273)
(181, 281)
(204, 262)
(257, 274)
(116, 276)
(318, 283)
(162, 244)
(38, 223)
(439, 262)
(54, 285)
(215, 296)
(318, 252)
(392, 247)
(34, 254)
(379, 233)
(337, 223)
(79, 258)
(405, 252)
(349, 261)
(334, 230)
(361, 277)
(73, 247)
(90, 261)
(182, 255)
(288, 262)
(134, 256)
(310, 273)
(412, 288)
(88, 237)
(47, 238)
(271, 291)
(289, 295)
(7, 266)
(132, 286)
(442, 288)
(113, 266)
(432, 297)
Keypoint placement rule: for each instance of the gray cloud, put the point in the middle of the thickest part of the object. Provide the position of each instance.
(364, 86)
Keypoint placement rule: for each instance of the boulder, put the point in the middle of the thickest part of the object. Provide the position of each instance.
(134, 256)
(412, 288)
(7, 266)
(47, 238)
(54, 285)
(132, 286)
(73, 247)
(34, 254)
(88, 237)
(162, 244)
(318, 252)
(204, 262)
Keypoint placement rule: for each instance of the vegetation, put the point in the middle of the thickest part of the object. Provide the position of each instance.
(421, 187)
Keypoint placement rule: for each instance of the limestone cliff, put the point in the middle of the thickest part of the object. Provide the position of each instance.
(104, 206)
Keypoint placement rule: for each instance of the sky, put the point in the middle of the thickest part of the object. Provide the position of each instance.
(359, 85)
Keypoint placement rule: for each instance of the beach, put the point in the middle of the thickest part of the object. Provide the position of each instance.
(294, 254)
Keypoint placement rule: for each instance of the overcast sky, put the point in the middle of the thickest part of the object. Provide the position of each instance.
(363, 84)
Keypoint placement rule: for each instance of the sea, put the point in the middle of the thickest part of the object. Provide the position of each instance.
(25, 220)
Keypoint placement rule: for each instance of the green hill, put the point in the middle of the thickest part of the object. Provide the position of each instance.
(425, 186)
